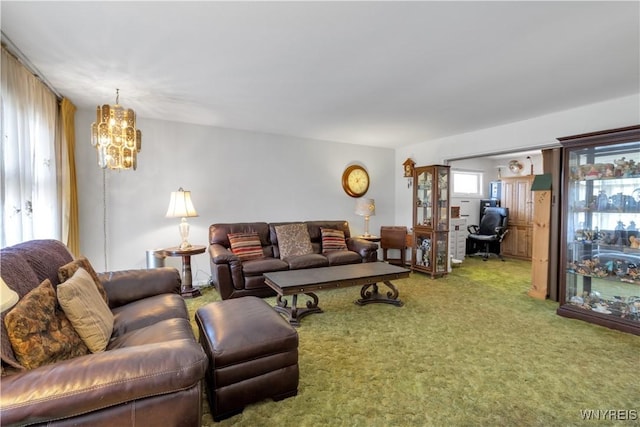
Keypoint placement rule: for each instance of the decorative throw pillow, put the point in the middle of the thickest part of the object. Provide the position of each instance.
(39, 333)
(246, 246)
(293, 239)
(69, 270)
(332, 240)
(86, 310)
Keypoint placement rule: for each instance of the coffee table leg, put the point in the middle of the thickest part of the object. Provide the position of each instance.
(293, 313)
(371, 296)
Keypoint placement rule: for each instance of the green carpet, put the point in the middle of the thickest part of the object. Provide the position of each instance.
(468, 349)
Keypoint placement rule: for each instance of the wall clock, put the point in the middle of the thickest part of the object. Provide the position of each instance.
(355, 181)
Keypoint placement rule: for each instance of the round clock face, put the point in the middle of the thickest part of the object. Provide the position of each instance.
(355, 181)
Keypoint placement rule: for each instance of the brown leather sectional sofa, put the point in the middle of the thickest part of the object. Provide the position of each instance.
(234, 278)
(150, 373)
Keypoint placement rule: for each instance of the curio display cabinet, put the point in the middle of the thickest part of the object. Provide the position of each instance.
(600, 252)
(430, 220)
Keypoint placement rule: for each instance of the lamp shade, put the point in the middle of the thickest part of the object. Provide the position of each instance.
(8, 297)
(180, 205)
(365, 207)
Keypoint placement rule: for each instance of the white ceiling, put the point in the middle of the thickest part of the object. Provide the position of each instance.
(375, 73)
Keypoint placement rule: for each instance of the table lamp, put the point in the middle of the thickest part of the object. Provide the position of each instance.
(366, 208)
(180, 206)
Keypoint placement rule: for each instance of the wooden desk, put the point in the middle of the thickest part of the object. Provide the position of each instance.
(187, 290)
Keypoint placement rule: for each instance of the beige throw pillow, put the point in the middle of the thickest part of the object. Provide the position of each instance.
(86, 310)
(293, 239)
(67, 271)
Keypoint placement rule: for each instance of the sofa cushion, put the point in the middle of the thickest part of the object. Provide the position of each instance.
(163, 331)
(259, 266)
(293, 239)
(144, 312)
(300, 262)
(333, 240)
(343, 257)
(246, 246)
(88, 312)
(39, 333)
(68, 270)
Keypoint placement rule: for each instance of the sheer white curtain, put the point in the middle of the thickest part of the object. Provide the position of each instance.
(28, 172)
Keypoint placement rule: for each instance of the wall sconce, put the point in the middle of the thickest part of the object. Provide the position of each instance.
(408, 170)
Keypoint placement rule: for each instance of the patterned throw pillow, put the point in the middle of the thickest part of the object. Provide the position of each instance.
(293, 239)
(332, 240)
(68, 270)
(39, 333)
(246, 246)
(88, 313)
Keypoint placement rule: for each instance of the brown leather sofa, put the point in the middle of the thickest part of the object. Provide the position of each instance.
(150, 374)
(234, 278)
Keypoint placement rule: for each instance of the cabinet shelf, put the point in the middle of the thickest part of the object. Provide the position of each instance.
(609, 277)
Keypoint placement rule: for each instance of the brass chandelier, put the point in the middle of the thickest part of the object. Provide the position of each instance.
(115, 136)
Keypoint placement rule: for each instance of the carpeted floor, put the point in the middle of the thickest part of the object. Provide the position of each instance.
(468, 349)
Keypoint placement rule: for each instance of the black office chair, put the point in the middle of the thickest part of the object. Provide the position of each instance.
(490, 232)
(393, 237)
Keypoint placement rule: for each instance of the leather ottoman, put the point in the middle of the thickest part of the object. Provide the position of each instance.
(252, 351)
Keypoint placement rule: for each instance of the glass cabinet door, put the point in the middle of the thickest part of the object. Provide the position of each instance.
(424, 200)
(441, 249)
(443, 199)
(601, 282)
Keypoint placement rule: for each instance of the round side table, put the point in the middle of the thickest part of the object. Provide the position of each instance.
(187, 290)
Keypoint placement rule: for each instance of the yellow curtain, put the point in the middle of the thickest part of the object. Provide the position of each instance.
(70, 227)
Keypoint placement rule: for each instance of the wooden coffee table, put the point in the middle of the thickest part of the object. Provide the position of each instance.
(308, 281)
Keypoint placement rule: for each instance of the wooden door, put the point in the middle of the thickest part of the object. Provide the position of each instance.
(517, 197)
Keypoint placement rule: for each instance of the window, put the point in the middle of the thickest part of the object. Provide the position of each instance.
(29, 202)
(467, 183)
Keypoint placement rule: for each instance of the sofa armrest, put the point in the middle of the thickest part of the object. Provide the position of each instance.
(221, 255)
(226, 270)
(367, 250)
(95, 381)
(125, 286)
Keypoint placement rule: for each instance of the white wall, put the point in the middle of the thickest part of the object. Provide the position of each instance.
(233, 176)
(525, 135)
(246, 176)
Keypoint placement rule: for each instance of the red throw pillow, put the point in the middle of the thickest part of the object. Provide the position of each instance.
(332, 240)
(246, 246)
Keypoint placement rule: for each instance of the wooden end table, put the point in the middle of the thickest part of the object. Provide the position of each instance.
(187, 290)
